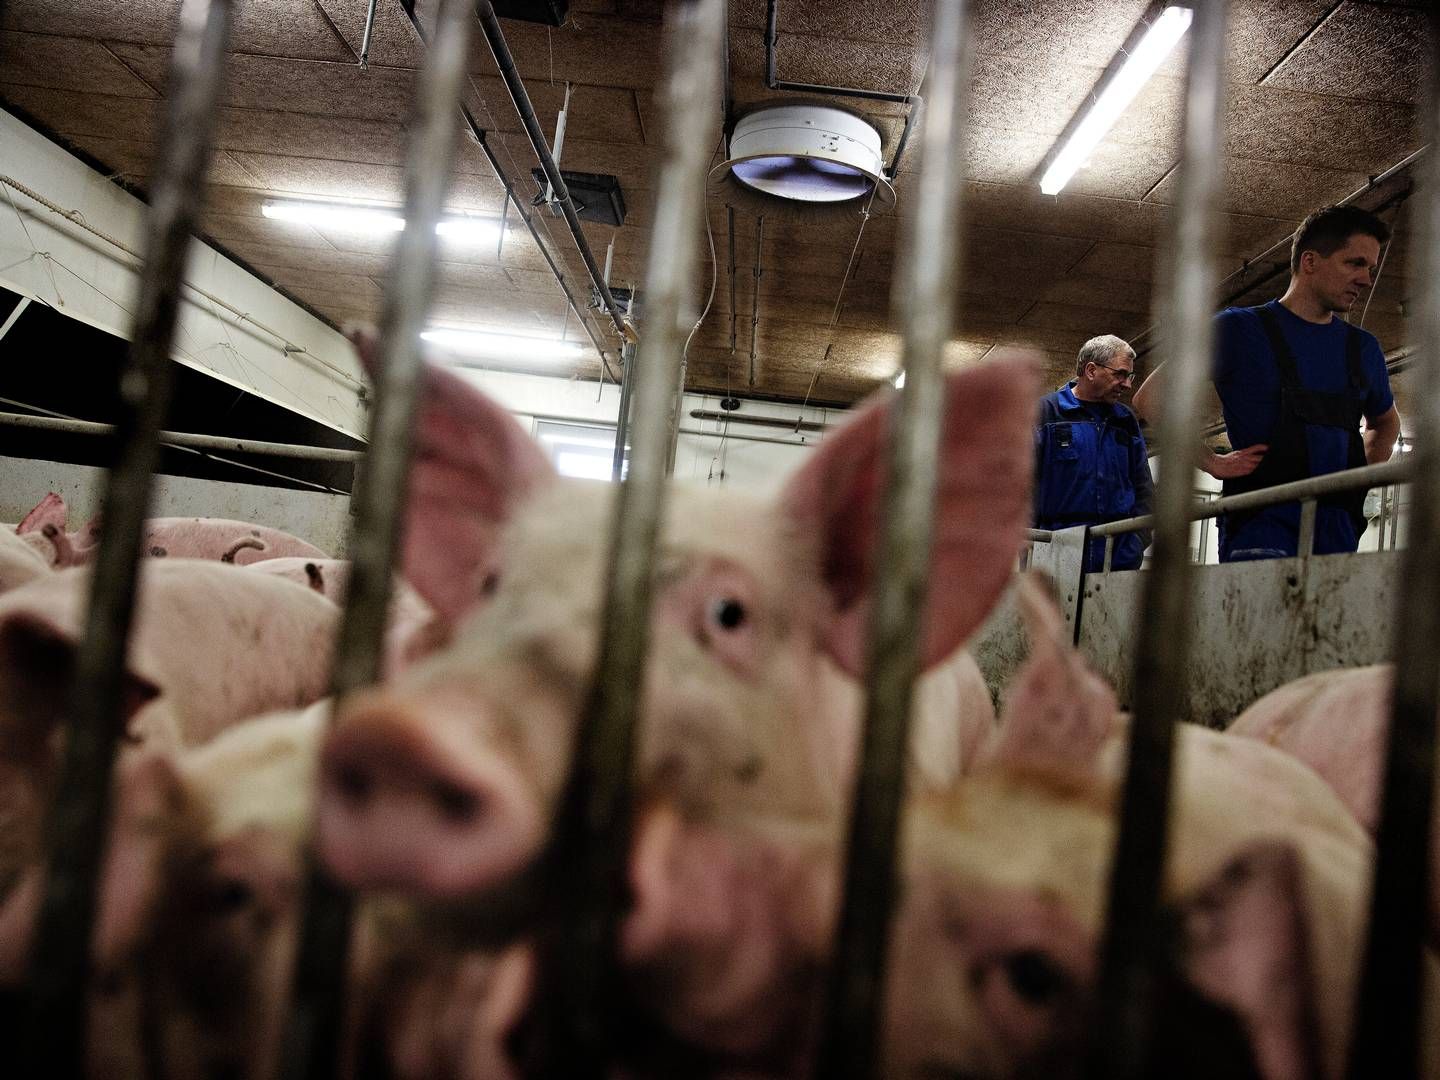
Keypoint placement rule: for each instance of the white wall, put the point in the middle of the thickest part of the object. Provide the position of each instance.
(96, 282)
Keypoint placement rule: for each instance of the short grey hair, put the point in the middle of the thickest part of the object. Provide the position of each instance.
(1100, 349)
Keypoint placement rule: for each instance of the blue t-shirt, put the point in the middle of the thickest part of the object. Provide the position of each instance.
(1247, 379)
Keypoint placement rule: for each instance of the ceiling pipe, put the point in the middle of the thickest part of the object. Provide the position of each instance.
(495, 38)
(477, 133)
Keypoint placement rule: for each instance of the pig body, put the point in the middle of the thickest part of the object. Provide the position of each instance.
(414, 630)
(20, 562)
(1338, 723)
(211, 645)
(240, 542)
(444, 782)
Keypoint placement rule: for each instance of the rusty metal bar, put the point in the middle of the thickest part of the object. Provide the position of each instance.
(592, 832)
(55, 1034)
(925, 296)
(317, 1009)
(1387, 1037)
(510, 74)
(1133, 933)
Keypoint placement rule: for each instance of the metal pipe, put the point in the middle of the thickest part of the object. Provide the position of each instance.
(1387, 1037)
(622, 415)
(849, 1048)
(495, 37)
(1134, 927)
(76, 828)
(730, 230)
(177, 438)
(592, 832)
(1305, 541)
(755, 295)
(1040, 536)
(916, 104)
(1396, 470)
(759, 421)
(19, 309)
(369, 29)
(317, 1007)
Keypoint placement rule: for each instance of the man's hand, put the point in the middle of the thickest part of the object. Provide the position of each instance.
(1234, 464)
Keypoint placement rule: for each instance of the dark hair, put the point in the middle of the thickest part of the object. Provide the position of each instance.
(1326, 230)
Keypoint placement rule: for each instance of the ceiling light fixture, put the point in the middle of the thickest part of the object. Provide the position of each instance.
(354, 217)
(497, 345)
(807, 153)
(1147, 56)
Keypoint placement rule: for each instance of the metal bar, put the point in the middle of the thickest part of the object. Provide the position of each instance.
(177, 438)
(592, 832)
(19, 310)
(1133, 937)
(1396, 470)
(317, 1007)
(76, 828)
(730, 230)
(1109, 552)
(495, 37)
(755, 295)
(1387, 1035)
(850, 1041)
(1305, 544)
(622, 415)
(916, 104)
(1040, 536)
(369, 30)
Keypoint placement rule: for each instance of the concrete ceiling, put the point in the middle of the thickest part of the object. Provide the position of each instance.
(1322, 96)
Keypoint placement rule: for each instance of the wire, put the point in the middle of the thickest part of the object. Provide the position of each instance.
(1375, 284)
(714, 276)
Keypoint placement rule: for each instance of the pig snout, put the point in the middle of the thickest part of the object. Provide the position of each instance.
(414, 803)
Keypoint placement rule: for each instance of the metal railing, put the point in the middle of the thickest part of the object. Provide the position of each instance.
(578, 985)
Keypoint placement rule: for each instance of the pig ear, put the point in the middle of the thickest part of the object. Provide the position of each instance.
(1057, 713)
(1245, 946)
(473, 465)
(48, 511)
(37, 657)
(982, 507)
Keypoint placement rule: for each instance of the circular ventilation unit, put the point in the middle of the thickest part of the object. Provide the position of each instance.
(807, 153)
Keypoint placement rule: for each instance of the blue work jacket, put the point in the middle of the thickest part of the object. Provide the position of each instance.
(1090, 469)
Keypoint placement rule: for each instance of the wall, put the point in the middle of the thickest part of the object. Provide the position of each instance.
(315, 516)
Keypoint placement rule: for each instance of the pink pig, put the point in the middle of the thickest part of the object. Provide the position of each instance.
(443, 783)
(240, 542)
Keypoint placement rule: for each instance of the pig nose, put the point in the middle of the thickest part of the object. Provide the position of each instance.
(416, 803)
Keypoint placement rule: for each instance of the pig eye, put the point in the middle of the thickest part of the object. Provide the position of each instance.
(1035, 978)
(728, 613)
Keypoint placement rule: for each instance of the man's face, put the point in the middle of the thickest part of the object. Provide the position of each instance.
(1338, 279)
(1111, 378)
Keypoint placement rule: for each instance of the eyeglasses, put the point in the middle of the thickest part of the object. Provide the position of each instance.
(1123, 374)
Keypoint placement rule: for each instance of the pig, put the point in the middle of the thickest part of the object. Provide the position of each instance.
(198, 920)
(19, 562)
(43, 530)
(240, 542)
(443, 782)
(414, 630)
(993, 956)
(212, 645)
(1338, 723)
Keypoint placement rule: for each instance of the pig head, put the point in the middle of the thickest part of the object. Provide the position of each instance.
(443, 783)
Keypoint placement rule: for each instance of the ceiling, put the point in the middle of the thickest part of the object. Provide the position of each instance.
(1322, 95)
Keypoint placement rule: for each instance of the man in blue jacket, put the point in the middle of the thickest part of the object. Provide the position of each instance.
(1090, 461)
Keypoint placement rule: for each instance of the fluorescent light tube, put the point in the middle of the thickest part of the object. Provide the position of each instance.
(499, 346)
(1162, 37)
(378, 219)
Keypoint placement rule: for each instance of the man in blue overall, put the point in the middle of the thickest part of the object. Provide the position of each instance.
(1090, 462)
(1294, 383)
